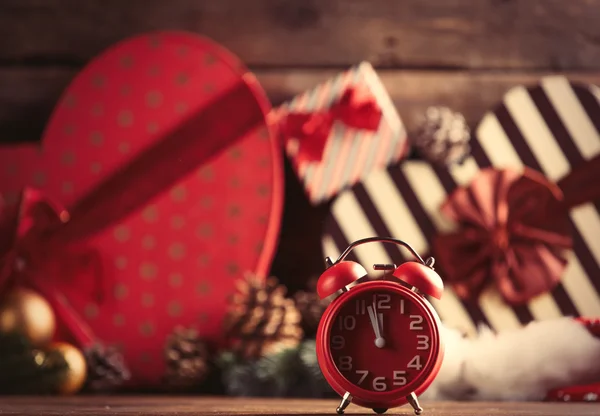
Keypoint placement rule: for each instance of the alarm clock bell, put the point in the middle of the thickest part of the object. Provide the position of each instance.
(338, 277)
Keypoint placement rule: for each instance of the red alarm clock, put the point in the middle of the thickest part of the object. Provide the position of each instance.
(379, 343)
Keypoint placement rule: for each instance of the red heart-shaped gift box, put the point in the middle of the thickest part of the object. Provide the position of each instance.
(161, 153)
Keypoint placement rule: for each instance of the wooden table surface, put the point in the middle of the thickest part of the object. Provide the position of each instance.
(119, 405)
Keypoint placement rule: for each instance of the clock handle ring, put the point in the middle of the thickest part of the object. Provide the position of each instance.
(428, 263)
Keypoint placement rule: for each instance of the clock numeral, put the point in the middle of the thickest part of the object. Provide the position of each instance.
(423, 342)
(345, 363)
(402, 306)
(348, 323)
(361, 307)
(379, 384)
(415, 323)
(383, 301)
(415, 363)
(363, 374)
(338, 342)
(400, 378)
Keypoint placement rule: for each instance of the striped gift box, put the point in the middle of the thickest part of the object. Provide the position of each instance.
(550, 127)
(350, 154)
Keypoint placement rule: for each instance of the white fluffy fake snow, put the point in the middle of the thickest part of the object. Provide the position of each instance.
(517, 365)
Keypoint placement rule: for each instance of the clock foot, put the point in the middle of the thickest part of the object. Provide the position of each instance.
(414, 402)
(380, 410)
(346, 400)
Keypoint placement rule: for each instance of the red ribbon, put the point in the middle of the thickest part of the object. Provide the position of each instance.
(29, 256)
(41, 241)
(313, 129)
(513, 229)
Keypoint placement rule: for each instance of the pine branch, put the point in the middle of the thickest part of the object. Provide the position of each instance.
(22, 372)
(293, 372)
(13, 343)
(45, 382)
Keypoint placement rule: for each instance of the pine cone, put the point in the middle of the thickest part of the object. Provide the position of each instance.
(187, 356)
(261, 320)
(311, 308)
(106, 368)
(443, 136)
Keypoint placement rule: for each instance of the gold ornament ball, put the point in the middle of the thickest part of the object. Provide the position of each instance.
(77, 368)
(24, 311)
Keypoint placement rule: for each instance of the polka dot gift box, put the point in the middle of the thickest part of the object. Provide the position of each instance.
(157, 183)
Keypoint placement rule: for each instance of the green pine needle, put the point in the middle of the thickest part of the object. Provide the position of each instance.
(292, 372)
(13, 343)
(25, 370)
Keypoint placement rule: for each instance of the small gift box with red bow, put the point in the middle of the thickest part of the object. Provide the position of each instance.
(340, 131)
(156, 185)
(514, 229)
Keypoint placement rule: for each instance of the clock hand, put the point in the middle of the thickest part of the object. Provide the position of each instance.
(373, 321)
(379, 341)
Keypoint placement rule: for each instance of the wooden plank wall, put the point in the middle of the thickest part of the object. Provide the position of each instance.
(461, 53)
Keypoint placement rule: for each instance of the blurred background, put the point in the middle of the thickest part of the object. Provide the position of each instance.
(461, 54)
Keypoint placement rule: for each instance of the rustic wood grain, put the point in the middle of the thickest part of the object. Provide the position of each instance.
(518, 34)
(471, 93)
(27, 95)
(113, 406)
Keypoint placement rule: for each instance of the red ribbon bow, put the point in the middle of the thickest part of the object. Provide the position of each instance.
(31, 256)
(513, 229)
(312, 129)
(24, 229)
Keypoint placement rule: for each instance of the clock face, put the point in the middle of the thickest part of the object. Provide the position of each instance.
(381, 340)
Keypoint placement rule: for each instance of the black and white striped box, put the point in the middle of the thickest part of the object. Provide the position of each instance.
(550, 127)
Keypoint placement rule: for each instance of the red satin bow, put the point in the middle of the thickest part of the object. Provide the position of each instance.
(512, 228)
(31, 256)
(313, 129)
